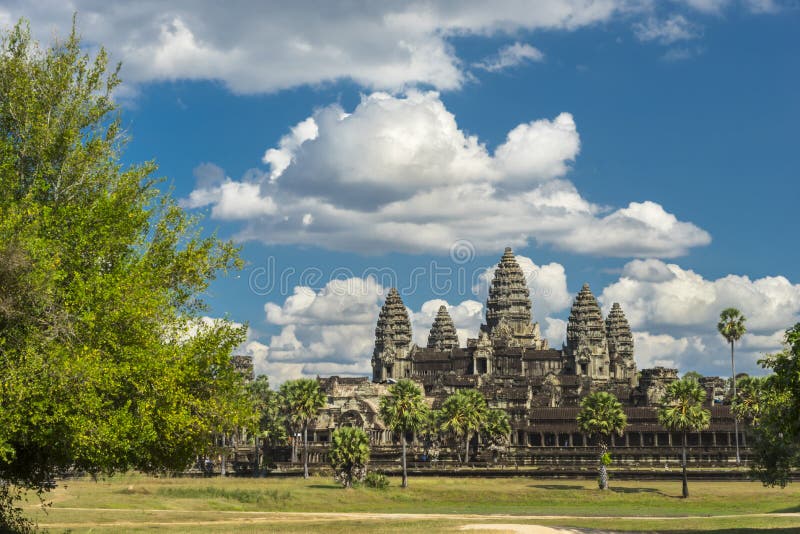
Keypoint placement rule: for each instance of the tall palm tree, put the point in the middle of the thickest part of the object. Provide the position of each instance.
(463, 413)
(302, 400)
(404, 410)
(731, 326)
(682, 410)
(601, 415)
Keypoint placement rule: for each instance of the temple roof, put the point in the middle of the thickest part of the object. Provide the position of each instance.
(618, 332)
(443, 332)
(509, 297)
(393, 327)
(585, 319)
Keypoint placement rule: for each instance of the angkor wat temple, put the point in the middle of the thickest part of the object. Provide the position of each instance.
(512, 365)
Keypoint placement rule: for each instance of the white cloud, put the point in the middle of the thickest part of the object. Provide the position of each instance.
(555, 331)
(397, 174)
(674, 314)
(256, 47)
(511, 56)
(663, 350)
(467, 318)
(666, 31)
(658, 294)
(539, 150)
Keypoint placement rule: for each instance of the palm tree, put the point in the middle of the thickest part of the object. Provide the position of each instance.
(731, 326)
(404, 410)
(601, 415)
(463, 413)
(682, 410)
(496, 430)
(349, 454)
(302, 400)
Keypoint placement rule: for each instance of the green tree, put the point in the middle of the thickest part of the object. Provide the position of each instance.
(349, 454)
(749, 399)
(694, 375)
(267, 406)
(105, 360)
(682, 411)
(601, 415)
(462, 414)
(302, 400)
(496, 431)
(776, 433)
(404, 410)
(731, 327)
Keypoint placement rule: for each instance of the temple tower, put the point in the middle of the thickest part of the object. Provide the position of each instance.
(390, 359)
(443, 332)
(508, 308)
(587, 348)
(620, 345)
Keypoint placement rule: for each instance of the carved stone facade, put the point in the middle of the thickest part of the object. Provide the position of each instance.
(443, 334)
(509, 360)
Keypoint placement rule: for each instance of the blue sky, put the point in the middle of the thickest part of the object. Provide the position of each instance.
(647, 148)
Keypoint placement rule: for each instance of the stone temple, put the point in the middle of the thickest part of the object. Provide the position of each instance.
(509, 361)
(540, 387)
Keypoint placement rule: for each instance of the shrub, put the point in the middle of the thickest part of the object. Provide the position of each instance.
(376, 480)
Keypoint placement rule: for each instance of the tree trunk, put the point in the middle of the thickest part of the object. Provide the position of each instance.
(683, 466)
(466, 448)
(603, 469)
(224, 457)
(733, 401)
(305, 451)
(405, 473)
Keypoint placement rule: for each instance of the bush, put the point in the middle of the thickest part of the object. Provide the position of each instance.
(376, 480)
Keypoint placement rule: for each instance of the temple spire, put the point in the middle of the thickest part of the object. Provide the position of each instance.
(509, 297)
(443, 332)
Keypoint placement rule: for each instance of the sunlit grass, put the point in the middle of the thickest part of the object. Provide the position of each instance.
(136, 503)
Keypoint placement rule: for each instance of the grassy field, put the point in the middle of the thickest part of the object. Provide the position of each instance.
(135, 503)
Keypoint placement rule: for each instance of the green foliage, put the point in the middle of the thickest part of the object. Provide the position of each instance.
(349, 454)
(694, 375)
(497, 428)
(376, 480)
(301, 401)
(749, 397)
(267, 403)
(105, 360)
(463, 413)
(682, 410)
(731, 325)
(404, 409)
(776, 430)
(601, 415)
(682, 407)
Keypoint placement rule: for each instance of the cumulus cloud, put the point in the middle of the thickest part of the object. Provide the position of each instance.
(511, 56)
(397, 174)
(467, 318)
(255, 47)
(674, 312)
(666, 31)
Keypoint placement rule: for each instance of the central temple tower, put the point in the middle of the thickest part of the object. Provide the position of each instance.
(508, 308)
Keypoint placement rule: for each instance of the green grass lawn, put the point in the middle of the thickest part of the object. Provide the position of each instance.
(138, 503)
